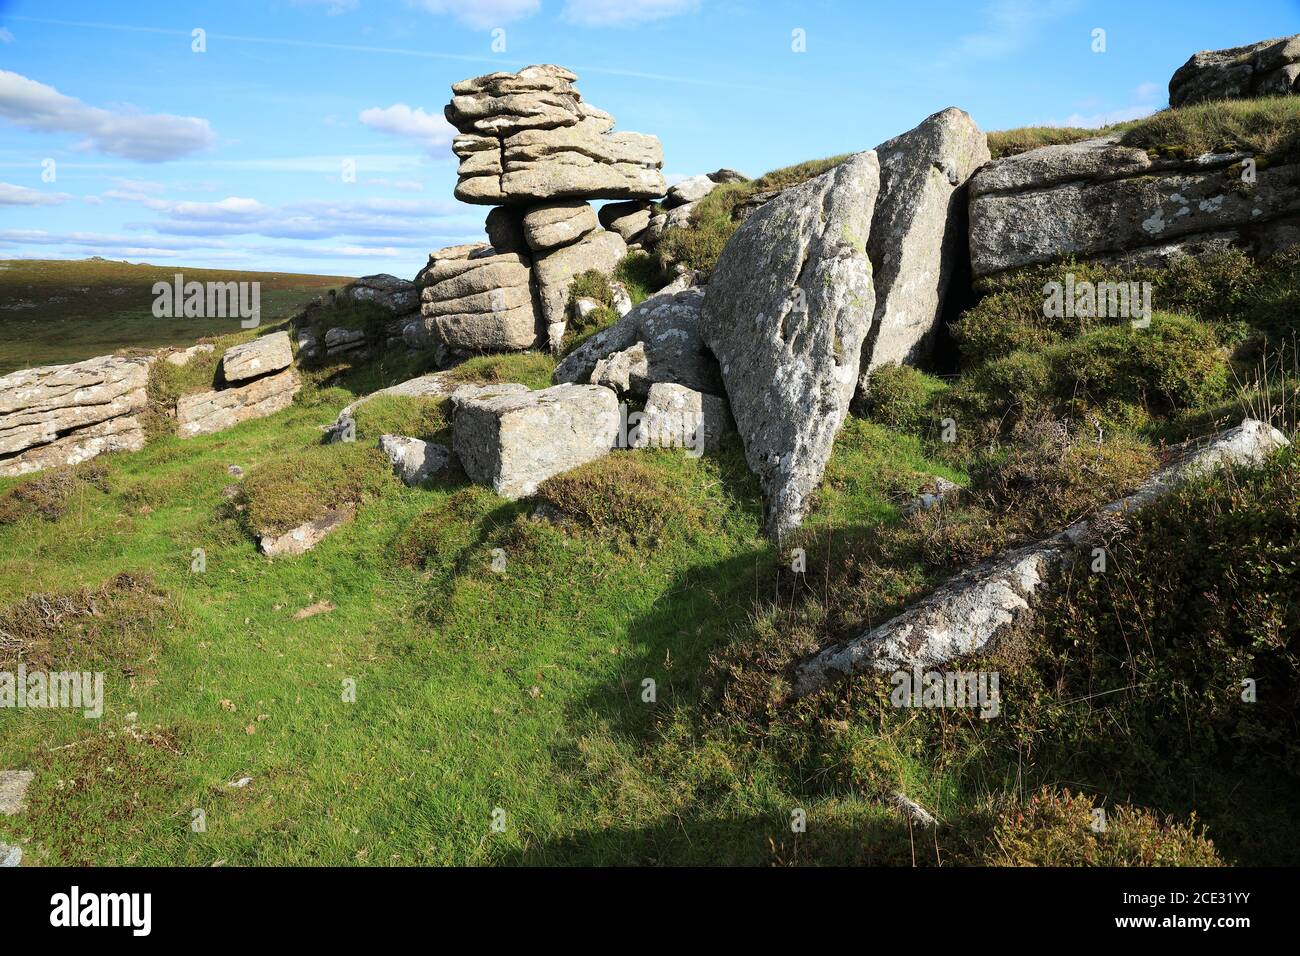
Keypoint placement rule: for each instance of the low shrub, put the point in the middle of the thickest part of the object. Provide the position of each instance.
(1061, 829)
(619, 496)
(900, 397)
(116, 626)
(48, 494)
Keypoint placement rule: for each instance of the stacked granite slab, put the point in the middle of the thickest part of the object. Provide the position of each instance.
(65, 414)
(257, 380)
(532, 147)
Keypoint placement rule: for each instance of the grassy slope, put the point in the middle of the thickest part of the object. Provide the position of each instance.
(57, 311)
(475, 689)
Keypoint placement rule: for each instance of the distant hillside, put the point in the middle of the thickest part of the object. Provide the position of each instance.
(56, 311)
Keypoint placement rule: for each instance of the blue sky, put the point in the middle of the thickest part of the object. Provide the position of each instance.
(234, 157)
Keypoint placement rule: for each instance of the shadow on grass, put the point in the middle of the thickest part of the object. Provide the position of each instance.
(751, 840)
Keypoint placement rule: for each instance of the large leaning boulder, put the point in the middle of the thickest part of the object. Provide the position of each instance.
(529, 137)
(918, 233)
(785, 312)
(1267, 68)
(65, 414)
(514, 442)
(1099, 199)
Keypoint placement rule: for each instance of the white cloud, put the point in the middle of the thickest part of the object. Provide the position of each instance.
(11, 195)
(432, 132)
(483, 14)
(147, 137)
(619, 13)
(1106, 118)
(6, 36)
(230, 209)
(389, 220)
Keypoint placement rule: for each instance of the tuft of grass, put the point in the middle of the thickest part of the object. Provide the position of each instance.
(901, 397)
(640, 275)
(416, 417)
(798, 173)
(533, 369)
(1011, 142)
(286, 492)
(592, 284)
(698, 245)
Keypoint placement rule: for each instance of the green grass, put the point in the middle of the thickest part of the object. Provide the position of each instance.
(1267, 127)
(58, 311)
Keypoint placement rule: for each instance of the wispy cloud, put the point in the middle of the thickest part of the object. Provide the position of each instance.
(1011, 25)
(621, 13)
(146, 137)
(483, 14)
(11, 195)
(430, 131)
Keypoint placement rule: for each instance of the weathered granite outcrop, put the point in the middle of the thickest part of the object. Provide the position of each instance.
(679, 417)
(1099, 199)
(970, 611)
(261, 356)
(1267, 68)
(398, 296)
(217, 410)
(529, 137)
(664, 332)
(514, 442)
(786, 310)
(64, 414)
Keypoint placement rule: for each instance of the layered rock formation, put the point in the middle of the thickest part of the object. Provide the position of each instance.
(530, 145)
(1098, 199)
(65, 414)
(786, 311)
(1267, 68)
(529, 137)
